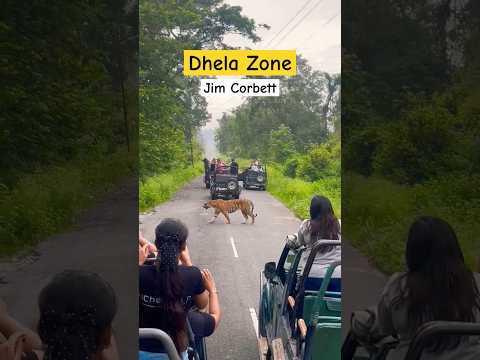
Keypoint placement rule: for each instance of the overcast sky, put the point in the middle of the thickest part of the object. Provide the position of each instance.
(314, 33)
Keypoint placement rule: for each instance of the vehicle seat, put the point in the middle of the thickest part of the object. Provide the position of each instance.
(324, 341)
(163, 344)
(329, 306)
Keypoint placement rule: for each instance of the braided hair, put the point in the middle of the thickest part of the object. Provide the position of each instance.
(76, 311)
(170, 239)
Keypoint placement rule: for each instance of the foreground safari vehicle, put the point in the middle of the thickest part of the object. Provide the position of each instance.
(255, 177)
(299, 314)
(224, 184)
(352, 350)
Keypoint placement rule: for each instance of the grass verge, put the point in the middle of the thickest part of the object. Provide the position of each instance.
(158, 189)
(47, 202)
(296, 194)
(381, 212)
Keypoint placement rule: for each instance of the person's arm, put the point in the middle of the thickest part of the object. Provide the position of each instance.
(299, 240)
(111, 352)
(9, 326)
(185, 257)
(201, 300)
(384, 319)
(213, 303)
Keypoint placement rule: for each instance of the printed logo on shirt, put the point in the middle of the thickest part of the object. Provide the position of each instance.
(150, 301)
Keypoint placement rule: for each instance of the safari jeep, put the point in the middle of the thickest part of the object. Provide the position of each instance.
(300, 313)
(255, 178)
(224, 184)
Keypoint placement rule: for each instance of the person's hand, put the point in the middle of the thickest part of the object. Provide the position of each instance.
(208, 281)
(150, 248)
(142, 254)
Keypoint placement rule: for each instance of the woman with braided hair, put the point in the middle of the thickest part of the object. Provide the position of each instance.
(165, 288)
(76, 313)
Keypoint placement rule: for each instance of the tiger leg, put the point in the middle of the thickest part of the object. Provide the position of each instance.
(217, 212)
(245, 215)
(252, 215)
(227, 218)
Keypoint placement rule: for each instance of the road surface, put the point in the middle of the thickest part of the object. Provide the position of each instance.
(103, 241)
(235, 254)
(361, 284)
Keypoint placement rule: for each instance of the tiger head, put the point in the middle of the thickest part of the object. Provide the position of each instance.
(208, 204)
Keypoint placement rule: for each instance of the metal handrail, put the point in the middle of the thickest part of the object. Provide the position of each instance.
(163, 338)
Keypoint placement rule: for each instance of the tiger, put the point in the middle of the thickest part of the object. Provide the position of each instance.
(230, 206)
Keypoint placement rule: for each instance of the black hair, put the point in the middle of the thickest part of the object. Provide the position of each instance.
(323, 222)
(170, 238)
(76, 308)
(438, 283)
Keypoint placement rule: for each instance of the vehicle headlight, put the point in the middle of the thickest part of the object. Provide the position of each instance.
(232, 185)
(260, 178)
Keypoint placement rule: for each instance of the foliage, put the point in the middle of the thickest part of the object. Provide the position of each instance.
(410, 122)
(171, 108)
(282, 145)
(305, 114)
(47, 201)
(68, 99)
(296, 193)
(160, 188)
(379, 212)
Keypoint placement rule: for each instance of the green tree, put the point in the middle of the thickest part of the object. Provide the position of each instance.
(281, 144)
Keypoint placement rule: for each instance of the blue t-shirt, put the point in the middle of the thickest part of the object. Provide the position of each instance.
(150, 297)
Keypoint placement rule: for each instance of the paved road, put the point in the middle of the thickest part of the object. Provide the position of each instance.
(361, 284)
(104, 241)
(237, 277)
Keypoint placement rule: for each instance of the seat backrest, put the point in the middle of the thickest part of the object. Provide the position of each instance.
(328, 306)
(326, 341)
(163, 339)
(325, 305)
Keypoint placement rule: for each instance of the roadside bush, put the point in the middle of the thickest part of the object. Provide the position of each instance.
(44, 203)
(296, 193)
(160, 188)
(321, 161)
(382, 212)
(291, 165)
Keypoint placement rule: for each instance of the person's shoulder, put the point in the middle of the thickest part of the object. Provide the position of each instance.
(395, 284)
(191, 271)
(304, 224)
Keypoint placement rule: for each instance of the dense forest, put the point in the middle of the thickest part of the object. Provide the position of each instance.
(171, 108)
(410, 113)
(68, 118)
(299, 130)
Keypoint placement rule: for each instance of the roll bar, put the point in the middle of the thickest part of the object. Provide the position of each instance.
(308, 266)
(436, 328)
(163, 338)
